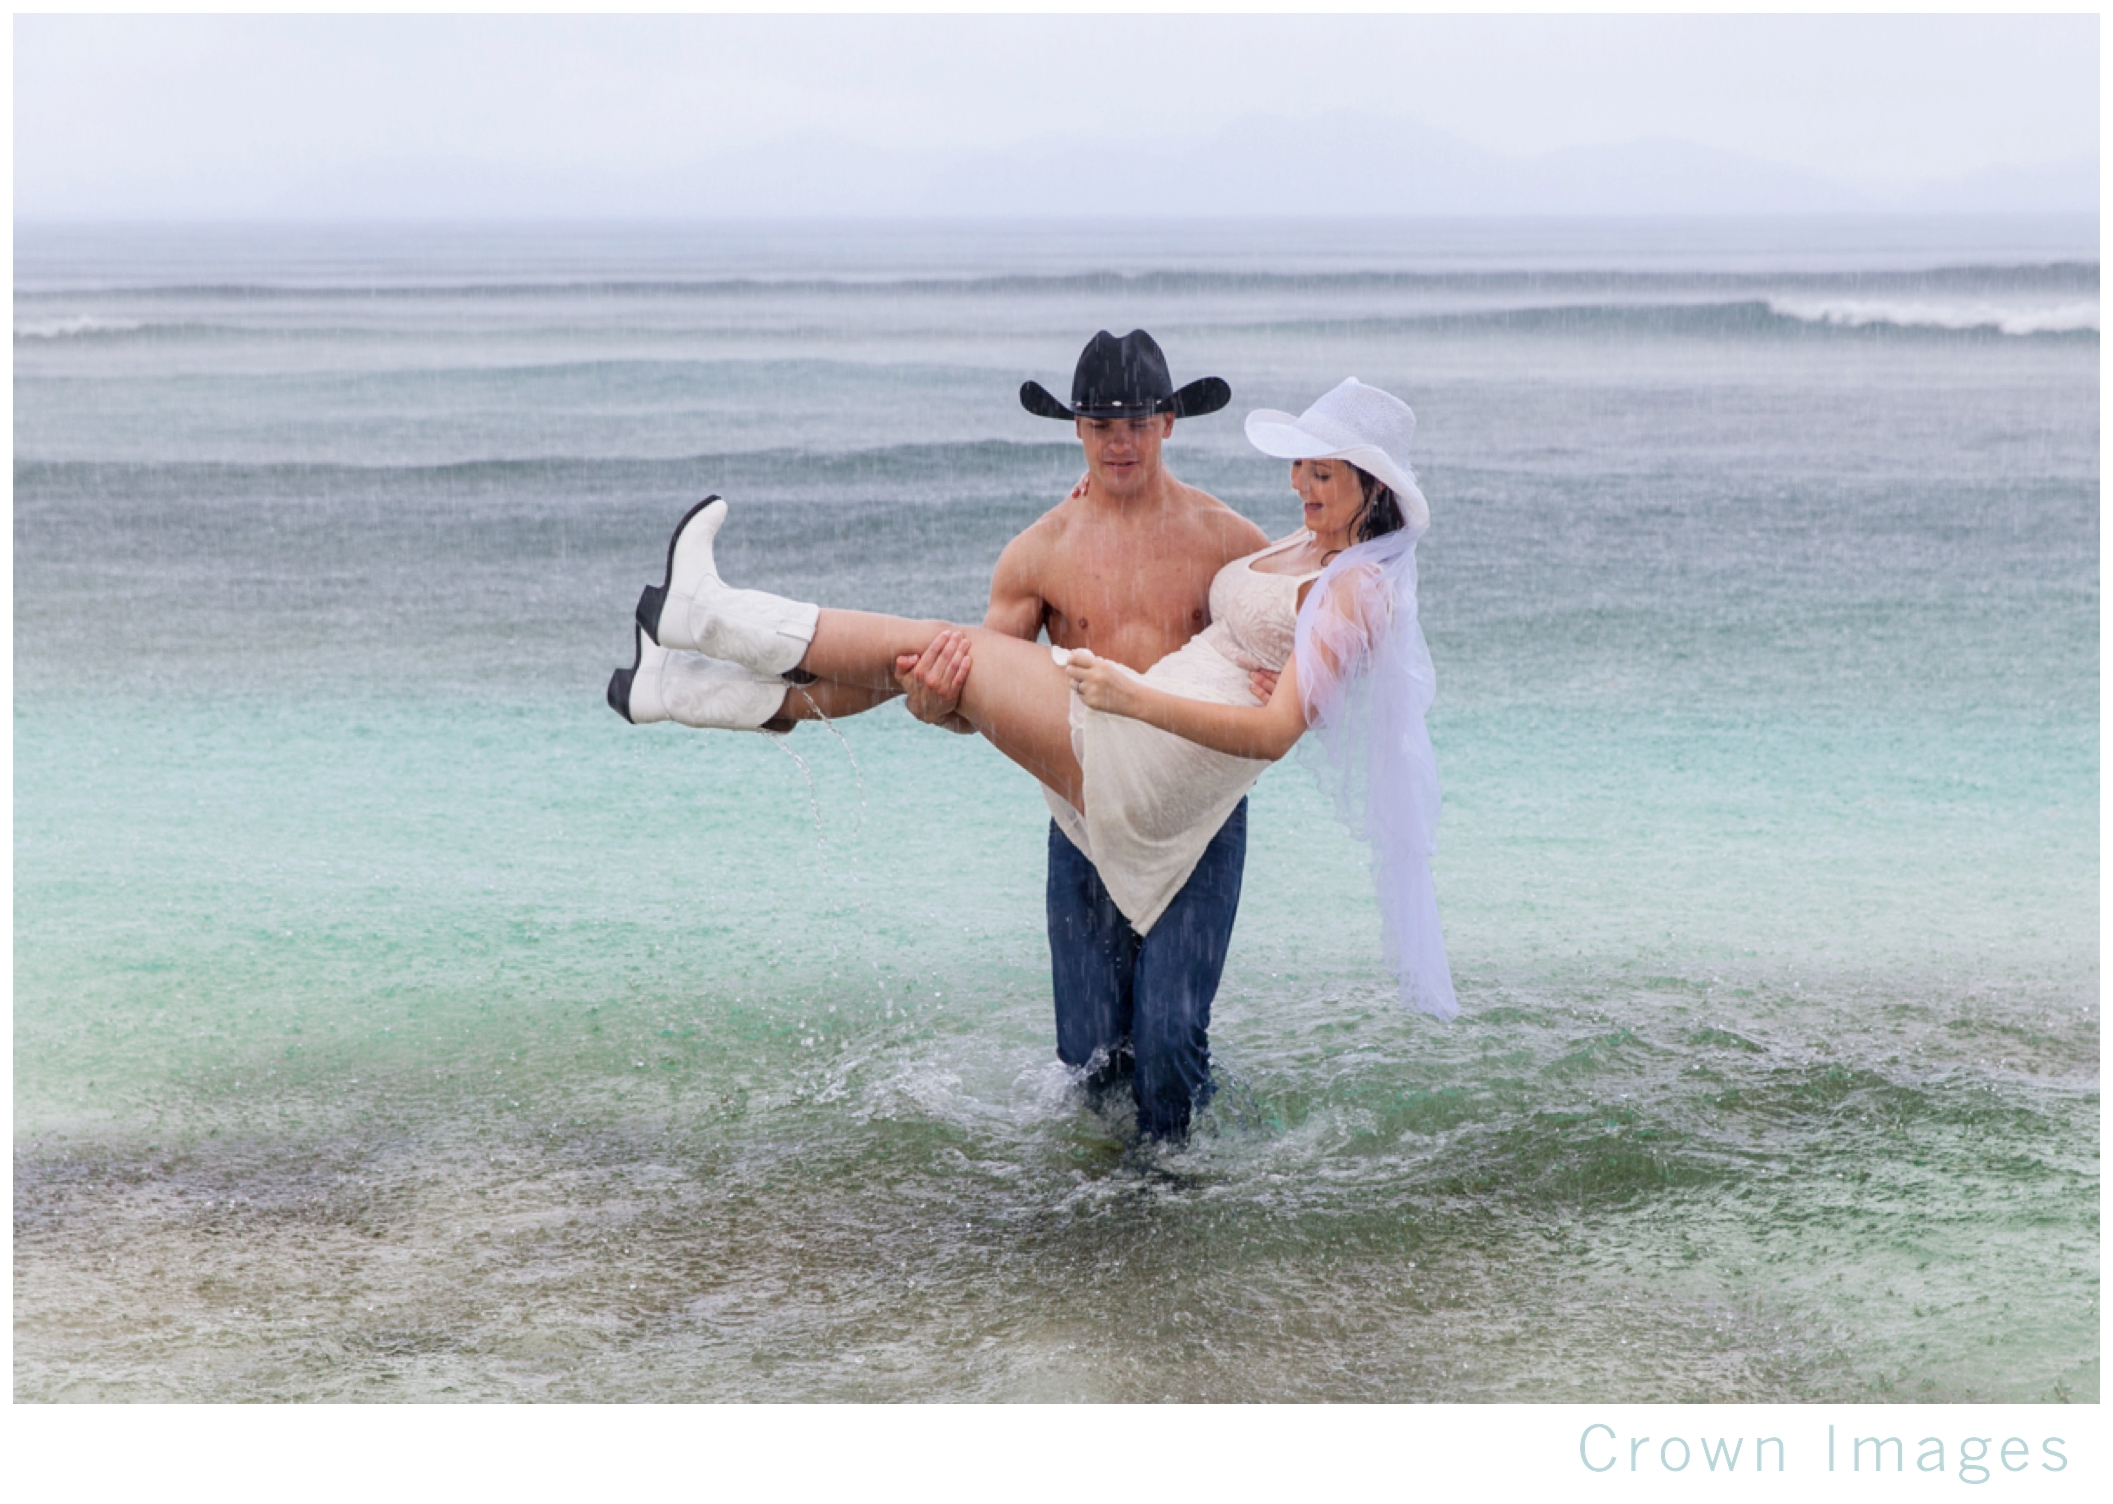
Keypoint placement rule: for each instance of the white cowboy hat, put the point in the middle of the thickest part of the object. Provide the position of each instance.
(1354, 422)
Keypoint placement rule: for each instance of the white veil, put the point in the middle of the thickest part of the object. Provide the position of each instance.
(1366, 678)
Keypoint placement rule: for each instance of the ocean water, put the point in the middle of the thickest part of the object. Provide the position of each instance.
(393, 1022)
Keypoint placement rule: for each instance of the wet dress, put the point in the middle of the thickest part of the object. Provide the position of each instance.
(1154, 799)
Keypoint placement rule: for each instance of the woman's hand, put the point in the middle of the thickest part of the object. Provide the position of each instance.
(1260, 731)
(1101, 685)
(1078, 492)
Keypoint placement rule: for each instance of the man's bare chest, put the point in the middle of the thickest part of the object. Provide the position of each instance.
(1147, 596)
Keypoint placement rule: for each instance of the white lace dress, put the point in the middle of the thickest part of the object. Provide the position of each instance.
(1153, 799)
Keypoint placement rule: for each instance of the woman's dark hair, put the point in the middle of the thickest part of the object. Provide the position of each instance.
(1382, 513)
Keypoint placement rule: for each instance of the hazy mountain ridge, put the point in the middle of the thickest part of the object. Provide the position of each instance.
(1344, 164)
(1338, 164)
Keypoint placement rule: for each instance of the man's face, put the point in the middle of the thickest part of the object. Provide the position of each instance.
(1122, 454)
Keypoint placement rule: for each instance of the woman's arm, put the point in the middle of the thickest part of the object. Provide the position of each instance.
(1355, 605)
(1261, 731)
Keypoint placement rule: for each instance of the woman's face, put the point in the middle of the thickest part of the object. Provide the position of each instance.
(1333, 496)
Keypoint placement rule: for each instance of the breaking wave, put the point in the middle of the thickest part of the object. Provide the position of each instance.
(2070, 317)
(76, 326)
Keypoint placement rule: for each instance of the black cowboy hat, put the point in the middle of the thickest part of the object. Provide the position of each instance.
(1125, 378)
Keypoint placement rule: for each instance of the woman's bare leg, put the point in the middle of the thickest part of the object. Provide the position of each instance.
(825, 699)
(1016, 695)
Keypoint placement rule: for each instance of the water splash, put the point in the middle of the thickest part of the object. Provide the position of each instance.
(858, 774)
(814, 802)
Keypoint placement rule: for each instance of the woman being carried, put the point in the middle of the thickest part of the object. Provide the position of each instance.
(1144, 767)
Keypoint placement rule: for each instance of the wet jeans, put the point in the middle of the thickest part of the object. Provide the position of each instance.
(1143, 1003)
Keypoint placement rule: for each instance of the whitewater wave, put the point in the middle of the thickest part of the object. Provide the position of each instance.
(75, 326)
(864, 472)
(2071, 317)
(1839, 316)
(1956, 282)
(2051, 302)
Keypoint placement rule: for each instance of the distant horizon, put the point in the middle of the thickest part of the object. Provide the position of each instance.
(1942, 253)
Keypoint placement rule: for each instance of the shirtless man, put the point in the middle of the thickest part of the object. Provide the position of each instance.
(1122, 566)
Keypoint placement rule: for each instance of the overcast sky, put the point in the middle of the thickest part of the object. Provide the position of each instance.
(243, 114)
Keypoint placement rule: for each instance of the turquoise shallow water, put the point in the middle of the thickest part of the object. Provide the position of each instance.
(393, 1022)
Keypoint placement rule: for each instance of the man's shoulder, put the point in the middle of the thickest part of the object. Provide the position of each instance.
(1026, 560)
(1201, 504)
(1219, 521)
(1045, 533)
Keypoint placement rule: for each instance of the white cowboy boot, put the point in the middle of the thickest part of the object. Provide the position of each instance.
(700, 612)
(662, 685)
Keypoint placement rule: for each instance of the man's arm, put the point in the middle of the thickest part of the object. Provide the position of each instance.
(932, 682)
(1016, 605)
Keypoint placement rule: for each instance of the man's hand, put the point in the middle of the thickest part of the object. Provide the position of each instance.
(1263, 683)
(931, 681)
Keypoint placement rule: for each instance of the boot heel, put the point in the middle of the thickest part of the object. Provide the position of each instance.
(650, 601)
(620, 693)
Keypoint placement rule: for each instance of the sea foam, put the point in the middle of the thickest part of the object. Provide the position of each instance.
(75, 326)
(2067, 317)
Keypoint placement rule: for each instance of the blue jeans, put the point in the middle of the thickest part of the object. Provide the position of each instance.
(1142, 1004)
